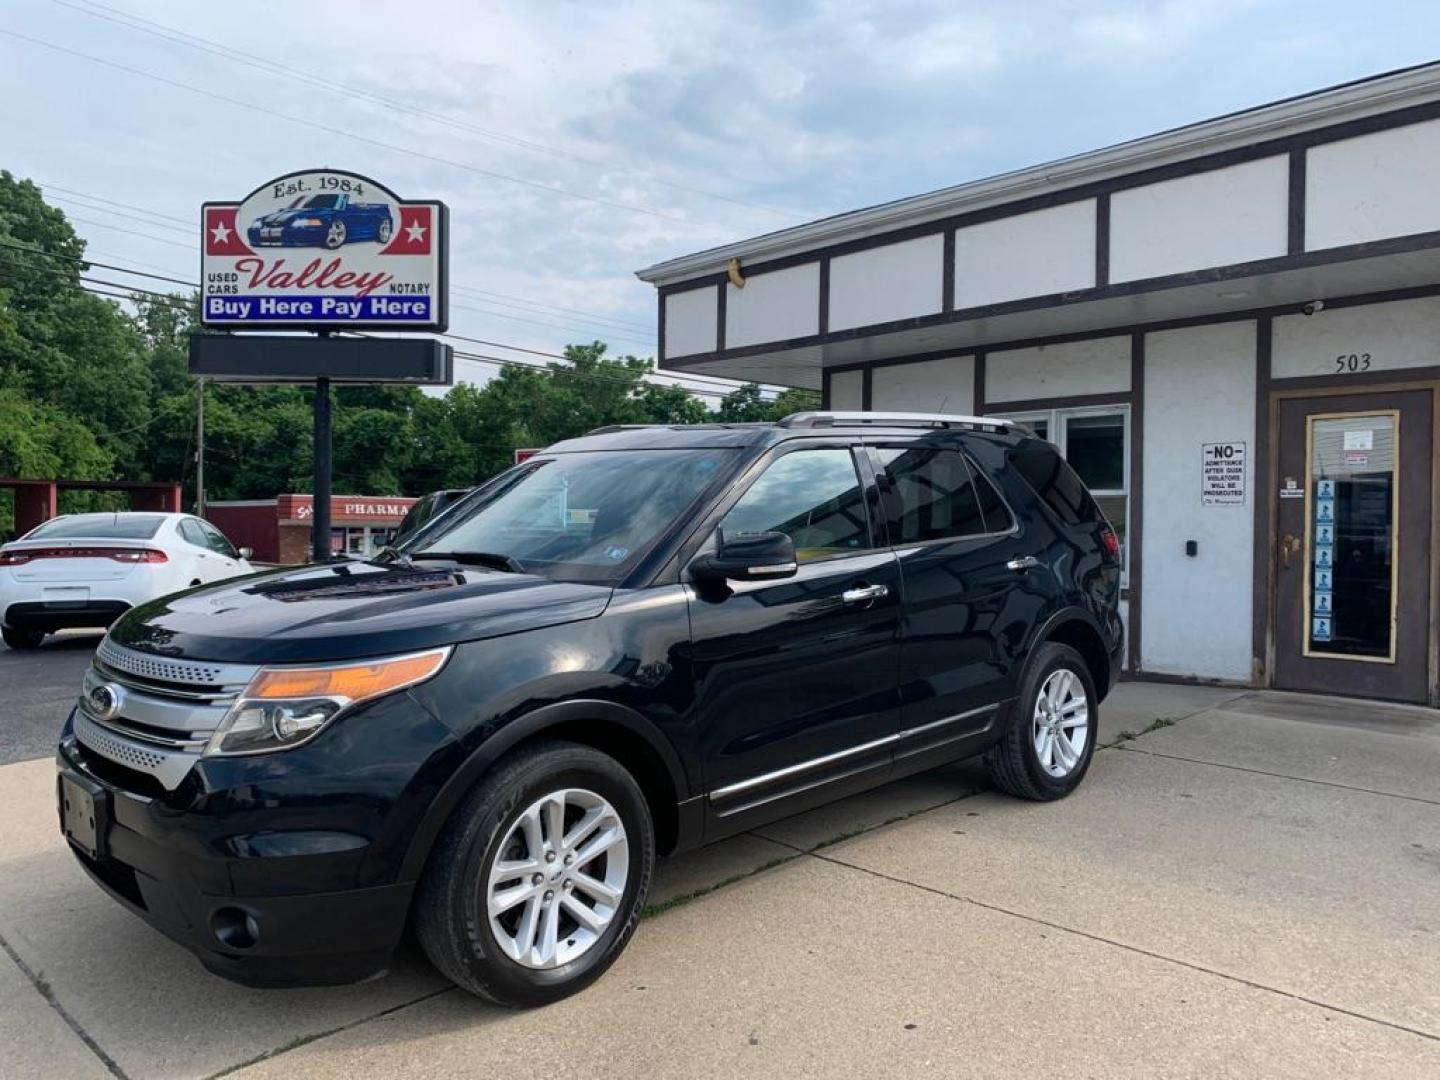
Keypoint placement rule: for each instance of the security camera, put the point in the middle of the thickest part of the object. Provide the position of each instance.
(1313, 306)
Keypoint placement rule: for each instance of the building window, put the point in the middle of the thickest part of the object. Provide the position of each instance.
(1095, 441)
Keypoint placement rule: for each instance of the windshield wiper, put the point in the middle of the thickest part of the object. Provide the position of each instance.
(475, 558)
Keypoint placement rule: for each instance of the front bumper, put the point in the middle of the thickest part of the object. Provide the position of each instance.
(267, 878)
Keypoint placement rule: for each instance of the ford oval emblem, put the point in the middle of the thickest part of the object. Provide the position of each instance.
(105, 701)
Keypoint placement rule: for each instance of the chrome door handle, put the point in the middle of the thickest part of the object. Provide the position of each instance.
(864, 593)
(1024, 562)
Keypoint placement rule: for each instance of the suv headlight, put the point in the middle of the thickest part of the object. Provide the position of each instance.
(286, 706)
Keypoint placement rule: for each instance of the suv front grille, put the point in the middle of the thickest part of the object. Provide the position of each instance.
(166, 710)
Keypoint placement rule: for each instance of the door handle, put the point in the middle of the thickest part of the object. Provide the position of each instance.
(1024, 562)
(864, 594)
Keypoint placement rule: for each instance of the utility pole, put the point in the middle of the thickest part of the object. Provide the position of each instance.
(200, 448)
(320, 514)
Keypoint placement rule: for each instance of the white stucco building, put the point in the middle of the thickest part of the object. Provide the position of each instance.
(1231, 329)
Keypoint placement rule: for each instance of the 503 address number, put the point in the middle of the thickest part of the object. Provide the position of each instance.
(1350, 363)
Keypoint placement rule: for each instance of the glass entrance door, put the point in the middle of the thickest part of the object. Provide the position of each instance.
(1352, 557)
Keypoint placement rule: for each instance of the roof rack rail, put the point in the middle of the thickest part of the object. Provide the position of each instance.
(893, 419)
(608, 428)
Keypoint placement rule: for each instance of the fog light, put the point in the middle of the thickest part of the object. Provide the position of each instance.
(234, 928)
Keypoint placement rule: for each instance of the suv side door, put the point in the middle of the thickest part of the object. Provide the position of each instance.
(972, 592)
(796, 679)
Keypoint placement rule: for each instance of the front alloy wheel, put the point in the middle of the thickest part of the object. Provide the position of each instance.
(559, 879)
(335, 235)
(537, 881)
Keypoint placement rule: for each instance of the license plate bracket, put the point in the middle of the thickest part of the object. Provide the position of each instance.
(84, 813)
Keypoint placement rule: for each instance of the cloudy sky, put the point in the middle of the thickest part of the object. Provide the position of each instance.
(577, 142)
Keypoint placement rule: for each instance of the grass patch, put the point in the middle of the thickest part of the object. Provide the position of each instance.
(1155, 725)
(651, 910)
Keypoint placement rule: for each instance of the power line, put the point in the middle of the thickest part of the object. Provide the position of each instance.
(543, 369)
(679, 378)
(122, 229)
(101, 265)
(192, 231)
(97, 286)
(194, 41)
(114, 202)
(553, 325)
(519, 303)
(331, 130)
(571, 312)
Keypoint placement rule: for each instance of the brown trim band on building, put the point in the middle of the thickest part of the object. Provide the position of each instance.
(1212, 275)
(1102, 240)
(1135, 503)
(1414, 292)
(822, 317)
(1262, 545)
(1295, 215)
(721, 296)
(1072, 401)
(947, 272)
(1285, 144)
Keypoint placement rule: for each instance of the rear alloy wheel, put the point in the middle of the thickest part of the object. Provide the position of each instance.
(1051, 740)
(383, 233)
(21, 639)
(537, 881)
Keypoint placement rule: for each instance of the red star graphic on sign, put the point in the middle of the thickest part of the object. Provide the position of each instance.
(414, 232)
(222, 235)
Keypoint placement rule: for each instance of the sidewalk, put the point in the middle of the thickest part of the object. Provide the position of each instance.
(1248, 890)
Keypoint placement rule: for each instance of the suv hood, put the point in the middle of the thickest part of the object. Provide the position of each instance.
(351, 610)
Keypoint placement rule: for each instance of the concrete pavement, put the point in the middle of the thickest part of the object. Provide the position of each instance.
(1248, 891)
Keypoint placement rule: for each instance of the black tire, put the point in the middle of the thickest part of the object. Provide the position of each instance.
(1014, 762)
(21, 639)
(451, 920)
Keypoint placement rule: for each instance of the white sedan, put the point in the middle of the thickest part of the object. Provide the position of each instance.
(89, 569)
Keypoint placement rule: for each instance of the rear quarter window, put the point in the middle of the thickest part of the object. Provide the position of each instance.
(1055, 482)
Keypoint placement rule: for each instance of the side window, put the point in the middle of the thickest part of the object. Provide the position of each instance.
(215, 540)
(997, 514)
(191, 534)
(813, 496)
(935, 496)
(1055, 482)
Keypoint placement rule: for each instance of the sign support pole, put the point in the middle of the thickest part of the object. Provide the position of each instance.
(320, 520)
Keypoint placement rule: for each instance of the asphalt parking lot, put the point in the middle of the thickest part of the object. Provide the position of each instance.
(1246, 887)
(37, 688)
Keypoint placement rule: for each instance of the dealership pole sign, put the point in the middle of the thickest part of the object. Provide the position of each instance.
(324, 250)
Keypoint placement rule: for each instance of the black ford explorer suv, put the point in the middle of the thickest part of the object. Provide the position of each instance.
(636, 642)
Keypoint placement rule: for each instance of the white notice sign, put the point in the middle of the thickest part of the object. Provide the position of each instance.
(1222, 474)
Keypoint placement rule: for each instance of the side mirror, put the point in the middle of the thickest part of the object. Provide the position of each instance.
(760, 556)
(247, 553)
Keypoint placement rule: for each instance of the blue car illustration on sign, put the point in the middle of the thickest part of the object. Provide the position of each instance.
(328, 221)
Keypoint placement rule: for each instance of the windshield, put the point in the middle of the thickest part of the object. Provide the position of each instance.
(98, 527)
(577, 517)
(322, 202)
